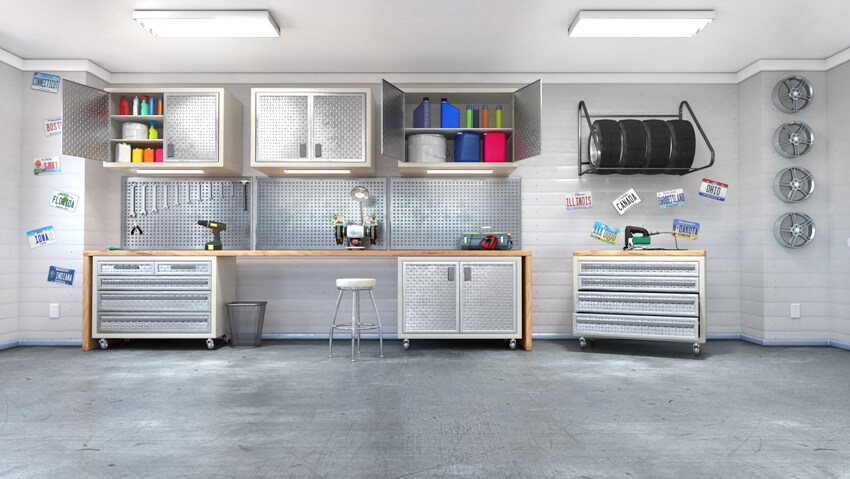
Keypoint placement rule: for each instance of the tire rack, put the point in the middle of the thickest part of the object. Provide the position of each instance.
(584, 166)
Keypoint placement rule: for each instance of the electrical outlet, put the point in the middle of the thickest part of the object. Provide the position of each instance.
(54, 310)
(795, 310)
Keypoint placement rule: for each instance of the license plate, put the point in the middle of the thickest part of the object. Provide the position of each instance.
(579, 200)
(685, 229)
(626, 201)
(41, 236)
(713, 189)
(671, 198)
(603, 232)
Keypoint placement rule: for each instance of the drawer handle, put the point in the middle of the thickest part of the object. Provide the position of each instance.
(184, 266)
(467, 273)
(451, 273)
(126, 266)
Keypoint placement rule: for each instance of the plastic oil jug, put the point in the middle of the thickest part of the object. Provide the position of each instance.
(449, 115)
(422, 114)
(468, 147)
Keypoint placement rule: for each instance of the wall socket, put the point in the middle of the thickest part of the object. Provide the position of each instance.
(54, 310)
(795, 310)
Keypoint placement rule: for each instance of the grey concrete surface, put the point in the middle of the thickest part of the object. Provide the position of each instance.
(442, 409)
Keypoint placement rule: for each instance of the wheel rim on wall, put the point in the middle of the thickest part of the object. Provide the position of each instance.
(793, 139)
(794, 230)
(793, 184)
(792, 94)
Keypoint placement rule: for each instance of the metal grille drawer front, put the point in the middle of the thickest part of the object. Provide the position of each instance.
(640, 268)
(161, 301)
(638, 303)
(201, 267)
(487, 292)
(686, 284)
(152, 323)
(430, 298)
(636, 327)
(148, 283)
(125, 267)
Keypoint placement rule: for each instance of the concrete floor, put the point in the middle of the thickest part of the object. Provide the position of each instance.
(441, 409)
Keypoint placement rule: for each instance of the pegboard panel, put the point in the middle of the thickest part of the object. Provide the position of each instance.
(296, 213)
(167, 212)
(191, 126)
(433, 213)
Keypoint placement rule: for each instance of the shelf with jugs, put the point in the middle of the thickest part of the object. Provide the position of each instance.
(137, 129)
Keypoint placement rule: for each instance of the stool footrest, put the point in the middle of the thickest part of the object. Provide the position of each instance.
(358, 326)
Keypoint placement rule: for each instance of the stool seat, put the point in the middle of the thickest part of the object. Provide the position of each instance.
(356, 283)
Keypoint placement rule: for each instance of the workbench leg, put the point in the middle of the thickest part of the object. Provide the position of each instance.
(525, 341)
(88, 342)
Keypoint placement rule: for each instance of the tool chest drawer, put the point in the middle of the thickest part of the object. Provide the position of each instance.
(202, 283)
(154, 301)
(685, 284)
(154, 322)
(637, 303)
(630, 326)
(638, 268)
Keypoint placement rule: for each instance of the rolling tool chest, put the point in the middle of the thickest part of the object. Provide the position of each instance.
(162, 297)
(653, 295)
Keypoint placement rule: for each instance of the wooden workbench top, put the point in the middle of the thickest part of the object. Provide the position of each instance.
(651, 252)
(310, 252)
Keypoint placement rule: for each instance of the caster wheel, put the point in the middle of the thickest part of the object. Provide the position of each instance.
(406, 344)
(512, 344)
(696, 349)
(104, 344)
(226, 338)
(582, 343)
(210, 343)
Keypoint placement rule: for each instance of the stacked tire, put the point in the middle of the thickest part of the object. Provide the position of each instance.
(642, 146)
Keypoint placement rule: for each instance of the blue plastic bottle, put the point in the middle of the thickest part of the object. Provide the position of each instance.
(422, 114)
(475, 117)
(449, 115)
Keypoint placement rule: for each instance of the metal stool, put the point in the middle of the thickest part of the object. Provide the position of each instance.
(355, 285)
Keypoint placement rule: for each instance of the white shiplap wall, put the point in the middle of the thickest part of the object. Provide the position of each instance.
(11, 236)
(35, 193)
(838, 233)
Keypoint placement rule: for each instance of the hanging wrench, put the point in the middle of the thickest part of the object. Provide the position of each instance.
(142, 211)
(165, 204)
(153, 207)
(132, 187)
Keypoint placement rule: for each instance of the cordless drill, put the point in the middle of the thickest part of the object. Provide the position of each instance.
(216, 229)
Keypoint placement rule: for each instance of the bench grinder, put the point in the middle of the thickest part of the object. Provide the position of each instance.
(356, 235)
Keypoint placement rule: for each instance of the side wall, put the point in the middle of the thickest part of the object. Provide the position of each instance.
(839, 198)
(12, 239)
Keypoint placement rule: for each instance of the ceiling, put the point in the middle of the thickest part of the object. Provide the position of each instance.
(427, 36)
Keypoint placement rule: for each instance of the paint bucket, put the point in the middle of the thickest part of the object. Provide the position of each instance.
(426, 149)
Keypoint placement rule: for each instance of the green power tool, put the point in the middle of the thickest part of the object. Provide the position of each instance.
(216, 228)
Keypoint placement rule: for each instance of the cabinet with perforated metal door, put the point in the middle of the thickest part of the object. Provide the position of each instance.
(154, 130)
(466, 297)
(161, 297)
(640, 295)
(308, 131)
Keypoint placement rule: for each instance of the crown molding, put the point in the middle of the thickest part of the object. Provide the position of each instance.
(759, 66)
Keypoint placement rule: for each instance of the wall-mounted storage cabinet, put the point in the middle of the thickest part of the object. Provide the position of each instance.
(198, 130)
(462, 298)
(521, 124)
(295, 131)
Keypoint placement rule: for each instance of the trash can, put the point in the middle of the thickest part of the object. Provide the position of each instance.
(246, 322)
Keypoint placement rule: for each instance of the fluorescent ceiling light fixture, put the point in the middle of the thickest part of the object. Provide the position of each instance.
(459, 172)
(207, 23)
(316, 172)
(145, 171)
(640, 23)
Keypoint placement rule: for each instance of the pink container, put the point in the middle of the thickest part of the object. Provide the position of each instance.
(495, 146)
(158, 158)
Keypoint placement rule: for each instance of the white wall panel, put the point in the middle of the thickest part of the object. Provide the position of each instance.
(11, 236)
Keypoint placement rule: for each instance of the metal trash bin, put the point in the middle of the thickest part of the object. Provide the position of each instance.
(246, 322)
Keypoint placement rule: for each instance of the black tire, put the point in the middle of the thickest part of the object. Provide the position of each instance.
(633, 155)
(603, 147)
(683, 144)
(657, 146)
